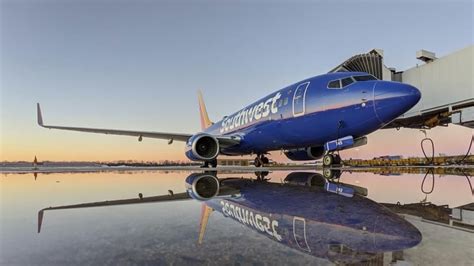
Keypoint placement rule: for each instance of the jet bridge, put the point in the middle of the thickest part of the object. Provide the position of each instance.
(371, 62)
(446, 85)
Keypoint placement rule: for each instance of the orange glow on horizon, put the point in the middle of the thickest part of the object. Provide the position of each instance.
(51, 145)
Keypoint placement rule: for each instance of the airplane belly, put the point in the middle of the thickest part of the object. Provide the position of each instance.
(331, 223)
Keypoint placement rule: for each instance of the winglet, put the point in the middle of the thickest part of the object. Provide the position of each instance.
(205, 121)
(40, 220)
(38, 113)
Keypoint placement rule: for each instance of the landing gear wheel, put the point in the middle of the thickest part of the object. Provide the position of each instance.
(328, 160)
(261, 175)
(337, 159)
(331, 173)
(213, 163)
(260, 161)
(257, 162)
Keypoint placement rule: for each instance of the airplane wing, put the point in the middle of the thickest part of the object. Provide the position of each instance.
(140, 134)
(154, 199)
(225, 141)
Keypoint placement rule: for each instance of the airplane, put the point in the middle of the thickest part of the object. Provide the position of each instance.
(308, 120)
(307, 213)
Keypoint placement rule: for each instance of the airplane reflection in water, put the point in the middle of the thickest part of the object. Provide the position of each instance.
(306, 212)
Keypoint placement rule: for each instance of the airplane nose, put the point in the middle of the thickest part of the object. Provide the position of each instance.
(395, 233)
(392, 99)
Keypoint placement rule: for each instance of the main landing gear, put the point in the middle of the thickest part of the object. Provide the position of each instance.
(331, 159)
(212, 163)
(331, 174)
(260, 160)
(261, 176)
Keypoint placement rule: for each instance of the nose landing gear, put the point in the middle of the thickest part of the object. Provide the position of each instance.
(261, 160)
(332, 174)
(331, 159)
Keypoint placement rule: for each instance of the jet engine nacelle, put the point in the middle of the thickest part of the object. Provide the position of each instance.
(308, 179)
(305, 154)
(202, 147)
(202, 186)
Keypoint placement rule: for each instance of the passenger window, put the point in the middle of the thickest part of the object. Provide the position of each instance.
(335, 84)
(280, 103)
(346, 82)
(364, 78)
(285, 102)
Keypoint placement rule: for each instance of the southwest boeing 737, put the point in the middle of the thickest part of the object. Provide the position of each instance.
(306, 212)
(307, 120)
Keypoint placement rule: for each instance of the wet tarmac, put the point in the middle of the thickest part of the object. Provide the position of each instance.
(376, 216)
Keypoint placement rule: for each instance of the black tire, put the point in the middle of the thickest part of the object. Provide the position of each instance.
(214, 163)
(331, 173)
(337, 159)
(328, 160)
(265, 160)
(257, 162)
(328, 173)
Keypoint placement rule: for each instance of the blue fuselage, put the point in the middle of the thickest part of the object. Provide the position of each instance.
(317, 222)
(309, 113)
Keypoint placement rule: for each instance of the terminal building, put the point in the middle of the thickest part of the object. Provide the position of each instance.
(446, 85)
(463, 215)
(229, 161)
(234, 161)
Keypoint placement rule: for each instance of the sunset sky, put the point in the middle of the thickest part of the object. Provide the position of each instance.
(138, 64)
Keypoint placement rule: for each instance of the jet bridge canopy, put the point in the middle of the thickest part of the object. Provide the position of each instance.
(370, 62)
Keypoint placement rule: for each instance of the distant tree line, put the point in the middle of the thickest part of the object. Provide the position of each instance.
(150, 163)
(95, 163)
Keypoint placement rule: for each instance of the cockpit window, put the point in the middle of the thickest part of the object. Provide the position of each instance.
(347, 82)
(364, 78)
(342, 83)
(335, 84)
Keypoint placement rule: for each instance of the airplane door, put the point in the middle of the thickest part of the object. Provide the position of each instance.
(299, 233)
(299, 99)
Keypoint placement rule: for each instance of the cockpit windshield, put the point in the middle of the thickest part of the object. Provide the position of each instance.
(364, 78)
(342, 83)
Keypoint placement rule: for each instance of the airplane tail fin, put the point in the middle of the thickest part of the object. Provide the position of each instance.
(205, 121)
(205, 213)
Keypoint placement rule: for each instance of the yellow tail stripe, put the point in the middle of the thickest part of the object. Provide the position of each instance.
(205, 121)
(205, 213)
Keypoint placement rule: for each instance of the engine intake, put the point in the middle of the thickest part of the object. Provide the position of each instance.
(202, 147)
(202, 186)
